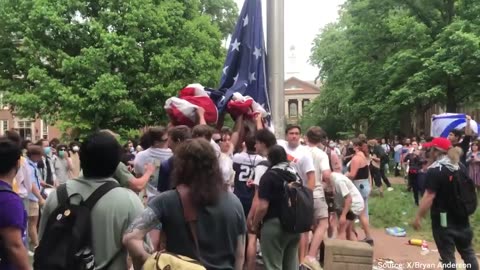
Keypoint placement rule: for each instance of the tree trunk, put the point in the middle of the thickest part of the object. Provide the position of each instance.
(451, 98)
(405, 124)
(420, 111)
(450, 8)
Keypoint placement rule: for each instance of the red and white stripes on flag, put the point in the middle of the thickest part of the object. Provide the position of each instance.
(182, 109)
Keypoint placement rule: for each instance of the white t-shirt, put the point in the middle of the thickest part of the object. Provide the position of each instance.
(300, 159)
(260, 170)
(386, 148)
(155, 156)
(321, 164)
(398, 147)
(344, 187)
(23, 179)
(226, 167)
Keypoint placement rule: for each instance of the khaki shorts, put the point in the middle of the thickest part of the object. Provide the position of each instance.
(320, 208)
(33, 209)
(26, 204)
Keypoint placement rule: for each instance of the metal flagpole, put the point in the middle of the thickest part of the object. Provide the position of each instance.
(275, 52)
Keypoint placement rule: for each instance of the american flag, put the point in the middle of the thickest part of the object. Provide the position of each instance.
(244, 70)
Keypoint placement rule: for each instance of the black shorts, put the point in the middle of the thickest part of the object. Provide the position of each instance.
(350, 215)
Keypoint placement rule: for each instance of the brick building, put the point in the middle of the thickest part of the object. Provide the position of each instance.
(30, 129)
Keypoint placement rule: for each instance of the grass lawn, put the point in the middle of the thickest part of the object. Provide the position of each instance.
(397, 208)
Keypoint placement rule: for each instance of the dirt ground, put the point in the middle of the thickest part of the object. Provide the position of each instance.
(395, 249)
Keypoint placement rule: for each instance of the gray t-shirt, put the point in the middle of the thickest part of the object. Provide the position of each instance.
(155, 156)
(111, 216)
(218, 228)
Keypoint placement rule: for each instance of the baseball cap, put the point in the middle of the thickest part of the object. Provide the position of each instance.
(440, 143)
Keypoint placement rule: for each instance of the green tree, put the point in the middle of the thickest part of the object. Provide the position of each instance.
(98, 64)
(388, 61)
(223, 12)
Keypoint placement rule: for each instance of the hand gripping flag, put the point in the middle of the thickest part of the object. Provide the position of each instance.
(245, 71)
(182, 109)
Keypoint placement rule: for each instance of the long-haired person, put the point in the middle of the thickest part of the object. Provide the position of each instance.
(220, 225)
(359, 171)
(279, 248)
(359, 174)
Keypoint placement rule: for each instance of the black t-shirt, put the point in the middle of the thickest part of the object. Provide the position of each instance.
(437, 180)
(164, 182)
(380, 153)
(271, 189)
(465, 145)
(416, 162)
(218, 228)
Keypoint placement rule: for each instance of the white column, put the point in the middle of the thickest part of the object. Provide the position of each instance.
(300, 107)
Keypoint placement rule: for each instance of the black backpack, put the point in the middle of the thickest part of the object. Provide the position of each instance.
(67, 239)
(296, 215)
(463, 200)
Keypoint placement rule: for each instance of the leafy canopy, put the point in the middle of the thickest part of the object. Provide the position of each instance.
(385, 62)
(108, 64)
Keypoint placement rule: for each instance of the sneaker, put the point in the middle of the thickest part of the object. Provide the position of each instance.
(390, 189)
(311, 263)
(30, 254)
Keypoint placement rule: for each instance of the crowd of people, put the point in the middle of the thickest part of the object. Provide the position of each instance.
(234, 179)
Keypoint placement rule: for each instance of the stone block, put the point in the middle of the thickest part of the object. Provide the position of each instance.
(347, 255)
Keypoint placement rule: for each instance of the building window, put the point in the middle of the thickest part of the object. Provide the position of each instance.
(25, 129)
(293, 108)
(3, 126)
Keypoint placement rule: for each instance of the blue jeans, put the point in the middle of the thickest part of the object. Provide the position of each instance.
(364, 187)
(447, 239)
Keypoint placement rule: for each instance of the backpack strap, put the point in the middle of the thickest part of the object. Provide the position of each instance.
(62, 194)
(99, 192)
(189, 213)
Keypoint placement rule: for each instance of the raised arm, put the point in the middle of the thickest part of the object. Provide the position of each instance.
(238, 133)
(201, 116)
(468, 127)
(259, 121)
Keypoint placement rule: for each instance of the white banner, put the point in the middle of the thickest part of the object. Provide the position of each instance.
(442, 124)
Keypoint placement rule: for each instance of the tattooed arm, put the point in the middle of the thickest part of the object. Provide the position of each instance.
(134, 235)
